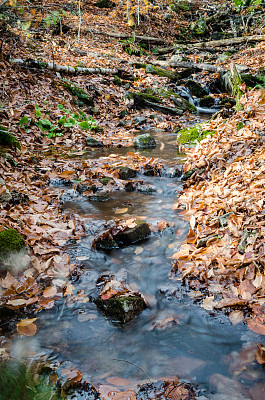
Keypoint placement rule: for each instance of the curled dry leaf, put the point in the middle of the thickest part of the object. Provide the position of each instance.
(121, 210)
(260, 354)
(27, 327)
(73, 375)
(256, 326)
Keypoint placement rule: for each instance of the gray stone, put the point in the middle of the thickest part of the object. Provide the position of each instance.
(223, 220)
(145, 141)
(92, 142)
(242, 243)
(139, 120)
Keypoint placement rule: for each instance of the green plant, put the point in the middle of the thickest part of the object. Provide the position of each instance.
(10, 241)
(53, 18)
(130, 48)
(240, 125)
(68, 119)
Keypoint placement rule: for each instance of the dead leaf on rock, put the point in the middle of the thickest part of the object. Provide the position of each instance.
(256, 327)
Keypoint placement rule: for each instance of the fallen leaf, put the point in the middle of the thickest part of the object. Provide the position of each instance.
(121, 210)
(50, 291)
(236, 317)
(27, 327)
(260, 354)
(256, 327)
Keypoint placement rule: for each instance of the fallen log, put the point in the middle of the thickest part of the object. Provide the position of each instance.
(29, 63)
(137, 38)
(185, 64)
(214, 43)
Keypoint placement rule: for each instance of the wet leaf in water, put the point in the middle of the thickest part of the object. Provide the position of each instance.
(121, 210)
(138, 250)
(260, 354)
(73, 375)
(256, 327)
(27, 327)
(108, 392)
(50, 291)
(236, 317)
(118, 381)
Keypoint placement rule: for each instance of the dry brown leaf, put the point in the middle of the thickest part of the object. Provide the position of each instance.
(236, 317)
(50, 291)
(27, 327)
(260, 354)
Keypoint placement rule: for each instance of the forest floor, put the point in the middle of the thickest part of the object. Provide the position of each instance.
(222, 260)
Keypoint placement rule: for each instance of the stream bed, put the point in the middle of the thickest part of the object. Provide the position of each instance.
(173, 336)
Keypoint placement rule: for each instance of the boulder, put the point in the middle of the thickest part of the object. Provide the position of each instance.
(122, 308)
(206, 101)
(139, 120)
(126, 172)
(193, 134)
(196, 89)
(10, 242)
(154, 70)
(139, 232)
(92, 142)
(145, 141)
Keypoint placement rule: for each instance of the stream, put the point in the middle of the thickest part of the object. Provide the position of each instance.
(173, 336)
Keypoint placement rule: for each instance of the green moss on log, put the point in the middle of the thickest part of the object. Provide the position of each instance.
(182, 103)
(79, 92)
(172, 75)
(10, 241)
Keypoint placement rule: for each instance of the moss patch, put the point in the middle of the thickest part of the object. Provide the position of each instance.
(79, 92)
(10, 241)
(172, 75)
(193, 134)
(7, 139)
(182, 103)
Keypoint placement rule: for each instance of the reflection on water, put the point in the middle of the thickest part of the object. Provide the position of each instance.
(172, 336)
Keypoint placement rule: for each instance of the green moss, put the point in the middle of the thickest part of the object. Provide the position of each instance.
(78, 91)
(199, 27)
(196, 89)
(193, 134)
(105, 180)
(206, 101)
(7, 139)
(172, 75)
(181, 102)
(10, 241)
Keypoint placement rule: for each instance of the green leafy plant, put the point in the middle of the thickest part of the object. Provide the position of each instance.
(69, 119)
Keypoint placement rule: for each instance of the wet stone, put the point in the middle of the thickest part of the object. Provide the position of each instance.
(139, 120)
(92, 142)
(145, 141)
(81, 188)
(126, 173)
(132, 235)
(123, 308)
(99, 197)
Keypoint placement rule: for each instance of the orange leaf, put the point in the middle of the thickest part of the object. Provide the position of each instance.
(27, 327)
(256, 327)
(50, 291)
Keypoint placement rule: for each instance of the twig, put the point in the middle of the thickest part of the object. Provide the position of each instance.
(62, 309)
(135, 365)
(80, 20)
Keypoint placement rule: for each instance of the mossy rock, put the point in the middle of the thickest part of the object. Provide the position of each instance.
(99, 197)
(105, 180)
(207, 101)
(140, 98)
(126, 173)
(252, 81)
(121, 309)
(145, 141)
(196, 89)
(133, 235)
(7, 139)
(199, 27)
(81, 93)
(172, 75)
(106, 244)
(193, 134)
(81, 188)
(227, 100)
(10, 242)
(181, 103)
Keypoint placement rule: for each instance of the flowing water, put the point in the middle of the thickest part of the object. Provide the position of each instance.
(173, 336)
